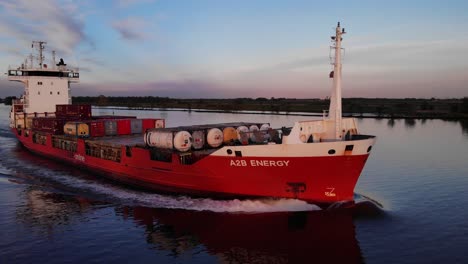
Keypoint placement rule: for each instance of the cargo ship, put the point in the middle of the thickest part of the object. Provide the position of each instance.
(318, 161)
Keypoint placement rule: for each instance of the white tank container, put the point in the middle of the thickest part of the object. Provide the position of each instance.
(243, 134)
(198, 139)
(214, 137)
(253, 129)
(264, 127)
(159, 139)
(182, 141)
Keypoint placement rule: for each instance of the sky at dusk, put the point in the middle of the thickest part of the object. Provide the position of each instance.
(226, 49)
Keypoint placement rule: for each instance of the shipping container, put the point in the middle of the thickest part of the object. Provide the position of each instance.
(110, 127)
(124, 127)
(29, 122)
(51, 125)
(76, 129)
(149, 123)
(76, 111)
(113, 117)
(160, 123)
(136, 126)
(97, 128)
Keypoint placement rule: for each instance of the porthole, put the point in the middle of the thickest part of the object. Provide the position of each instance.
(331, 151)
(369, 149)
(229, 151)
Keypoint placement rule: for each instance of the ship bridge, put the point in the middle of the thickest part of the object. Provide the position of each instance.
(44, 85)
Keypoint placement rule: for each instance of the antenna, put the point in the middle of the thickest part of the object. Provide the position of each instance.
(53, 59)
(31, 57)
(40, 47)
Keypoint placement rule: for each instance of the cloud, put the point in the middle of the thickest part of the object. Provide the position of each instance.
(131, 28)
(127, 3)
(55, 21)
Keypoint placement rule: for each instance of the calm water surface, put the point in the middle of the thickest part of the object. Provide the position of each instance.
(417, 172)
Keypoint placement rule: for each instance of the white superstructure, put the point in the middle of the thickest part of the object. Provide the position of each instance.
(44, 85)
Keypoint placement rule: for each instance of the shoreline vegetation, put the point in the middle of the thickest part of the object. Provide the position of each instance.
(356, 107)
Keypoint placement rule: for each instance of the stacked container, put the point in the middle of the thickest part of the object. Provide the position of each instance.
(73, 111)
(110, 127)
(77, 129)
(96, 128)
(136, 126)
(113, 117)
(50, 125)
(124, 127)
(150, 123)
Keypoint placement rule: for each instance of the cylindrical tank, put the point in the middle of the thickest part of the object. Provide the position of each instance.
(159, 139)
(214, 137)
(182, 141)
(229, 135)
(253, 136)
(264, 127)
(243, 134)
(265, 132)
(198, 139)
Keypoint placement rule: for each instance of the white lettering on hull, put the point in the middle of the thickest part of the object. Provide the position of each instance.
(330, 192)
(79, 157)
(259, 163)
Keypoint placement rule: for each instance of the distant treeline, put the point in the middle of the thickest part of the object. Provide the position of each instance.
(380, 107)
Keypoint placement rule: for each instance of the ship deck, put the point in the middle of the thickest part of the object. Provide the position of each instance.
(118, 141)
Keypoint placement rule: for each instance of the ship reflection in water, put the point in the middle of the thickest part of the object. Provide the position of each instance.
(286, 237)
(253, 238)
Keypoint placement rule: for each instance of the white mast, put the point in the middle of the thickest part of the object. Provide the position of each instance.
(53, 59)
(40, 48)
(335, 112)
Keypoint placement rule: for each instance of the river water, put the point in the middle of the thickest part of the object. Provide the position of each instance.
(412, 199)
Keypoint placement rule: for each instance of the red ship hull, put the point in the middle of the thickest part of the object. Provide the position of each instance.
(318, 179)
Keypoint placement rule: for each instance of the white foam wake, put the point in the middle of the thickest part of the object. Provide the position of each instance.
(139, 198)
(118, 194)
